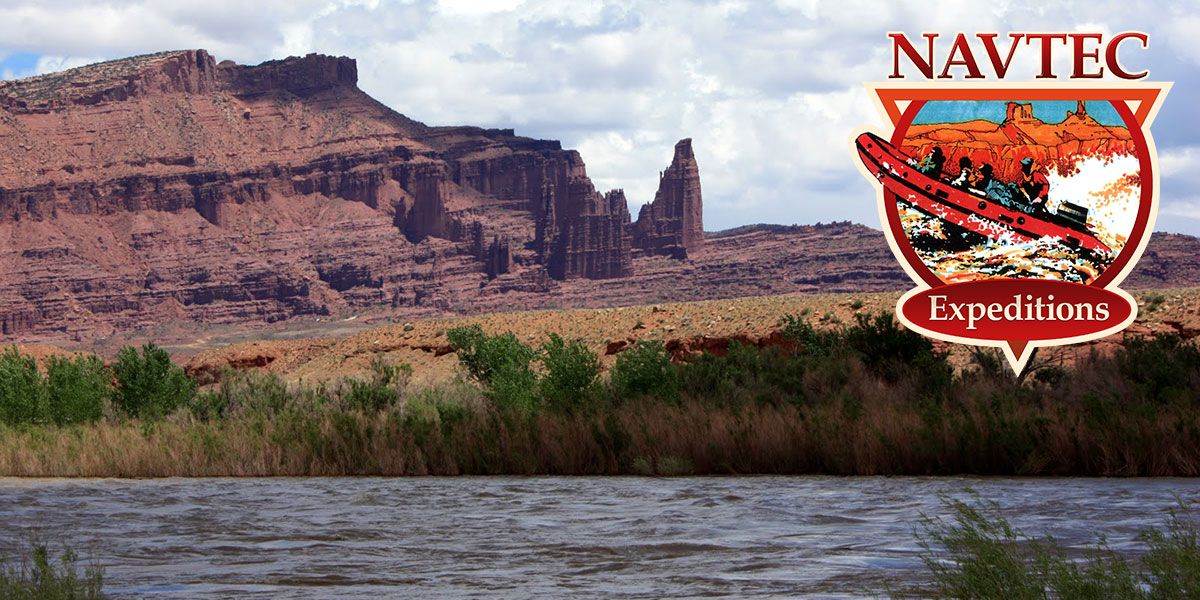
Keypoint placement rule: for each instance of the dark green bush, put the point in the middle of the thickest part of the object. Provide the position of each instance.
(501, 363)
(572, 373)
(22, 393)
(645, 370)
(209, 405)
(485, 355)
(149, 385)
(515, 387)
(369, 395)
(77, 389)
(895, 352)
(73, 390)
(745, 372)
(812, 341)
(39, 577)
(1162, 368)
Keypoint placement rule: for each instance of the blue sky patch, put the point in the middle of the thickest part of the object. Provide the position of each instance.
(1050, 111)
(19, 64)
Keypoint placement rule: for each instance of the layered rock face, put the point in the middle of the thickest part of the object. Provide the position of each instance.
(169, 187)
(673, 224)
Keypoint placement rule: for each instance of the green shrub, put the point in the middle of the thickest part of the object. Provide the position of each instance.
(572, 373)
(977, 553)
(39, 577)
(1163, 368)
(485, 355)
(435, 409)
(645, 370)
(812, 341)
(209, 405)
(22, 393)
(745, 372)
(989, 363)
(396, 376)
(369, 395)
(382, 390)
(242, 391)
(1173, 560)
(77, 389)
(514, 387)
(896, 353)
(1153, 301)
(149, 385)
(501, 363)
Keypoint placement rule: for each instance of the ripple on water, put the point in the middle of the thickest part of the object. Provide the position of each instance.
(539, 537)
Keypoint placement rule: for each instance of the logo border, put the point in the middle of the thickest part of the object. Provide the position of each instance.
(1146, 92)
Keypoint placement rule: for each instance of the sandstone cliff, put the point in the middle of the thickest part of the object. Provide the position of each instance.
(169, 186)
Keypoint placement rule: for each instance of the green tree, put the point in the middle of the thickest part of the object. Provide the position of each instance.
(76, 389)
(500, 362)
(572, 373)
(645, 370)
(22, 393)
(149, 385)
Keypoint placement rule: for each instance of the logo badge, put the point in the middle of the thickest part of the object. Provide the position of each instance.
(1016, 209)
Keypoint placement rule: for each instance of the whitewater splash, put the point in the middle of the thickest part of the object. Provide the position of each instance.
(1108, 186)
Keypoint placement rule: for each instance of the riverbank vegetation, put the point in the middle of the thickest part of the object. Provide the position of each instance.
(40, 575)
(861, 398)
(975, 552)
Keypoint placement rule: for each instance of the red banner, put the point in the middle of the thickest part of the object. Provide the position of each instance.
(1017, 310)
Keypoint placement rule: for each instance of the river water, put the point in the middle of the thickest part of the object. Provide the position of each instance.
(509, 537)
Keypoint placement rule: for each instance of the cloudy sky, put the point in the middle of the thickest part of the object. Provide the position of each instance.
(770, 91)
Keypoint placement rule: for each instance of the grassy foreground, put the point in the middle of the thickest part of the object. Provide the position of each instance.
(974, 552)
(857, 399)
(38, 575)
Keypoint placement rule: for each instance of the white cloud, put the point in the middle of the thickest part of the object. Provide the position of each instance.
(1180, 162)
(1183, 29)
(770, 92)
(50, 64)
(1187, 208)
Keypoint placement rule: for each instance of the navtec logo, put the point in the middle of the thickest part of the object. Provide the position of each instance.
(1017, 208)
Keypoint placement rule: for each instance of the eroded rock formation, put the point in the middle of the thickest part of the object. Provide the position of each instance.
(673, 224)
(170, 187)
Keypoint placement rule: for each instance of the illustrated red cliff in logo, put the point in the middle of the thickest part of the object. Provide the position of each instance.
(1016, 209)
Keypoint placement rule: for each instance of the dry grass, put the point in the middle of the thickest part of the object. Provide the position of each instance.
(879, 437)
(867, 399)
